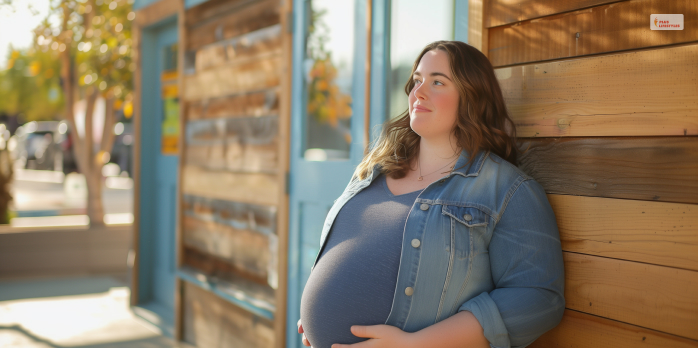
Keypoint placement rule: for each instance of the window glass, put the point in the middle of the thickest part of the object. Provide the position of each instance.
(328, 79)
(413, 25)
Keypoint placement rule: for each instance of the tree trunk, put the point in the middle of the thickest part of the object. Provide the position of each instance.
(93, 165)
(88, 163)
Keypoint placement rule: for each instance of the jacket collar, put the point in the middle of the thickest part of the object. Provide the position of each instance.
(473, 169)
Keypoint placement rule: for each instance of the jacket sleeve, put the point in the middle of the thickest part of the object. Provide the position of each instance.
(527, 271)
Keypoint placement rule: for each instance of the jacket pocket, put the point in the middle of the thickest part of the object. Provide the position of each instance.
(465, 222)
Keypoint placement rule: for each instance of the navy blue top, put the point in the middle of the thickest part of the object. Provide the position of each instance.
(353, 282)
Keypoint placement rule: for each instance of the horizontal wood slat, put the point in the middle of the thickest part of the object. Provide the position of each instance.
(250, 16)
(255, 45)
(580, 330)
(502, 12)
(233, 79)
(258, 218)
(606, 95)
(605, 28)
(239, 187)
(655, 297)
(246, 250)
(263, 103)
(210, 321)
(237, 144)
(651, 232)
(653, 168)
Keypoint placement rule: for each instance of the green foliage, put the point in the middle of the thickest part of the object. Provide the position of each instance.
(98, 38)
(31, 85)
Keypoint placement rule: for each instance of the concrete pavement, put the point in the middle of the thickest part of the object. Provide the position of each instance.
(89, 312)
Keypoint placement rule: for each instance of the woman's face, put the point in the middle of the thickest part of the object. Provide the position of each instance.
(433, 101)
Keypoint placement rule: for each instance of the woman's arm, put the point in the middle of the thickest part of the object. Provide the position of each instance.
(527, 271)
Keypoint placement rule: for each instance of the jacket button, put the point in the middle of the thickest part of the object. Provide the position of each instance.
(416, 243)
(409, 291)
(467, 217)
(424, 206)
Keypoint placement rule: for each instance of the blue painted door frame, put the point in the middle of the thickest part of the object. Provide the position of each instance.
(313, 186)
(158, 183)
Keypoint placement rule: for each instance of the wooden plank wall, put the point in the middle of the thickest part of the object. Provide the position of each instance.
(607, 114)
(231, 165)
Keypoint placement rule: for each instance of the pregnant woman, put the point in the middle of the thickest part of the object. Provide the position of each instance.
(439, 240)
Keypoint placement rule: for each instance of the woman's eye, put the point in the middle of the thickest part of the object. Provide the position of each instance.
(416, 81)
(438, 82)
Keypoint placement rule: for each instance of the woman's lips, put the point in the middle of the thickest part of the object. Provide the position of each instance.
(420, 109)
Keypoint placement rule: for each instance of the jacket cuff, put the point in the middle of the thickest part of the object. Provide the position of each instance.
(487, 313)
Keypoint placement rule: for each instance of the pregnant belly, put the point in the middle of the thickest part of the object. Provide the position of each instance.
(342, 292)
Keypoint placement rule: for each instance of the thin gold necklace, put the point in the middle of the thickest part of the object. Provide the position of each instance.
(419, 164)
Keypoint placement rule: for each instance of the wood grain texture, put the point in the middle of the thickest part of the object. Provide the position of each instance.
(257, 218)
(210, 321)
(510, 11)
(236, 144)
(650, 232)
(282, 217)
(601, 29)
(240, 19)
(233, 79)
(652, 168)
(244, 249)
(580, 330)
(606, 95)
(239, 187)
(251, 46)
(655, 297)
(155, 12)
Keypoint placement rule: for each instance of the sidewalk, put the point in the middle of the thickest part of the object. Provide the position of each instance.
(88, 312)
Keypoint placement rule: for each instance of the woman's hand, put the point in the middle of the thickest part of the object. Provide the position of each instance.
(300, 331)
(380, 336)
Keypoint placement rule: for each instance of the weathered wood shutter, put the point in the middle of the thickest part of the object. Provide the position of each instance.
(607, 114)
(233, 171)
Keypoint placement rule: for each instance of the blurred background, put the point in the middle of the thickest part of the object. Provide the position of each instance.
(66, 187)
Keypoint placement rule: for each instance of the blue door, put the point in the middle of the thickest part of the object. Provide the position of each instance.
(327, 126)
(158, 177)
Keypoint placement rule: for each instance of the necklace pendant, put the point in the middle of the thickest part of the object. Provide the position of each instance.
(420, 178)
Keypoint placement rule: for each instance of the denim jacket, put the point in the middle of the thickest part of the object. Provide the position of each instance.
(483, 239)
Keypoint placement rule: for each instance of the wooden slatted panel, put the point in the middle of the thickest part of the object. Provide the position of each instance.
(509, 11)
(235, 144)
(214, 322)
(580, 330)
(605, 28)
(237, 20)
(640, 93)
(246, 250)
(263, 103)
(651, 232)
(234, 79)
(652, 168)
(258, 44)
(239, 187)
(655, 297)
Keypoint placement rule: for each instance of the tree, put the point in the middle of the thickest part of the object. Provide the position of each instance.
(31, 85)
(93, 43)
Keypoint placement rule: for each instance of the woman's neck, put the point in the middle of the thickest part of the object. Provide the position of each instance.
(436, 153)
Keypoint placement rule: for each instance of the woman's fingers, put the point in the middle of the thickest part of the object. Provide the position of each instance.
(305, 341)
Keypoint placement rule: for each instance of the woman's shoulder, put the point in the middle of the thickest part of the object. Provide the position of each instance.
(501, 167)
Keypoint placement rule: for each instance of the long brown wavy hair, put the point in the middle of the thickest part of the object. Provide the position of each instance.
(482, 124)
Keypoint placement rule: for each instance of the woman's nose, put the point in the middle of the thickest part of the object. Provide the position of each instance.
(419, 92)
